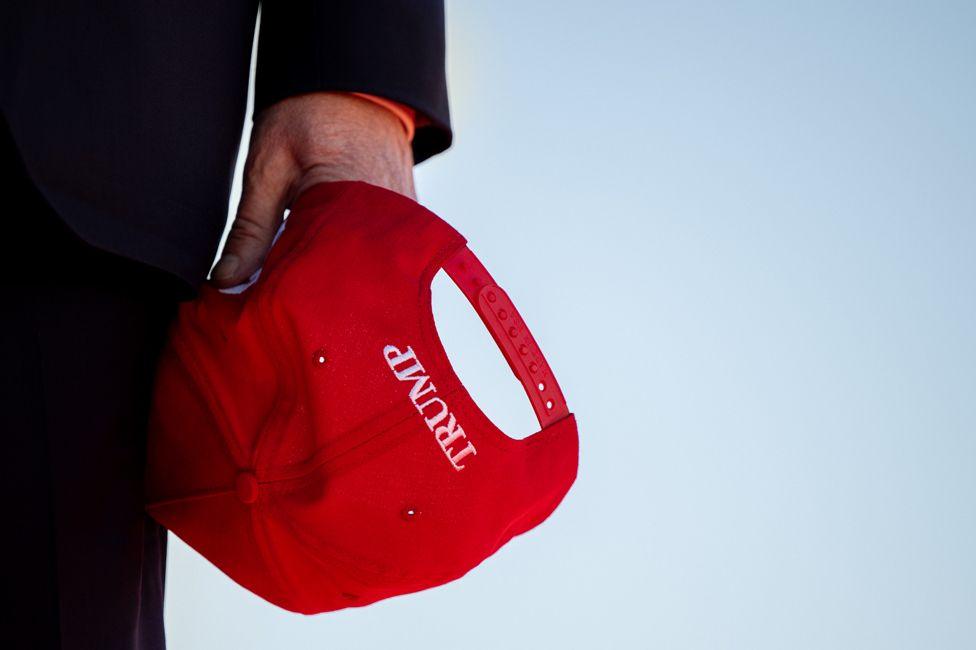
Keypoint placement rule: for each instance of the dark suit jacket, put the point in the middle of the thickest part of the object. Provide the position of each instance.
(128, 113)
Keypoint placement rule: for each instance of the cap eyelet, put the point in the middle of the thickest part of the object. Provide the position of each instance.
(319, 358)
(410, 513)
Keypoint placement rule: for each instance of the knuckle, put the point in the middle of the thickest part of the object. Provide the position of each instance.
(248, 231)
(255, 176)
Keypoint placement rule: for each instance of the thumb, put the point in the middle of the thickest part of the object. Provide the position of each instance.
(258, 216)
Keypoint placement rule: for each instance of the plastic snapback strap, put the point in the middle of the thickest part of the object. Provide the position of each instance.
(511, 334)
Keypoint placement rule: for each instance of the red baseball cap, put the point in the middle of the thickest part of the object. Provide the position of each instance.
(309, 435)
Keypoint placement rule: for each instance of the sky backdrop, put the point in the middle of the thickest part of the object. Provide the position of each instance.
(744, 233)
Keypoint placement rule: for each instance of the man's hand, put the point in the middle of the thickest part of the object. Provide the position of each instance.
(297, 143)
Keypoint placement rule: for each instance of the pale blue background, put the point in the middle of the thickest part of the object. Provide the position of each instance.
(744, 234)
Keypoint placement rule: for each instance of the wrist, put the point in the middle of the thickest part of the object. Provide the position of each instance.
(404, 113)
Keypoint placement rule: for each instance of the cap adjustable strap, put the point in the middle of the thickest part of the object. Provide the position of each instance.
(511, 334)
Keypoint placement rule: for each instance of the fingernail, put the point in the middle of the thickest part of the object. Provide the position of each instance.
(226, 267)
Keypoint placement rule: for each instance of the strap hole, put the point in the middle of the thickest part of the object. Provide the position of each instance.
(484, 371)
(542, 386)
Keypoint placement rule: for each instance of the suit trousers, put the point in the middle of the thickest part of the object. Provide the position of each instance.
(80, 332)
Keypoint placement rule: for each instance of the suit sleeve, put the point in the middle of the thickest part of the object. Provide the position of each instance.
(389, 48)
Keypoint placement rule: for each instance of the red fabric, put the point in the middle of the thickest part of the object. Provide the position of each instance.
(286, 448)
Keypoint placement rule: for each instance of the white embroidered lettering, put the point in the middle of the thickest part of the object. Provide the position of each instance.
(434, 410)
(468, 450)
(394, 357)
(441, 414)
(417, 391)
(447, 434)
